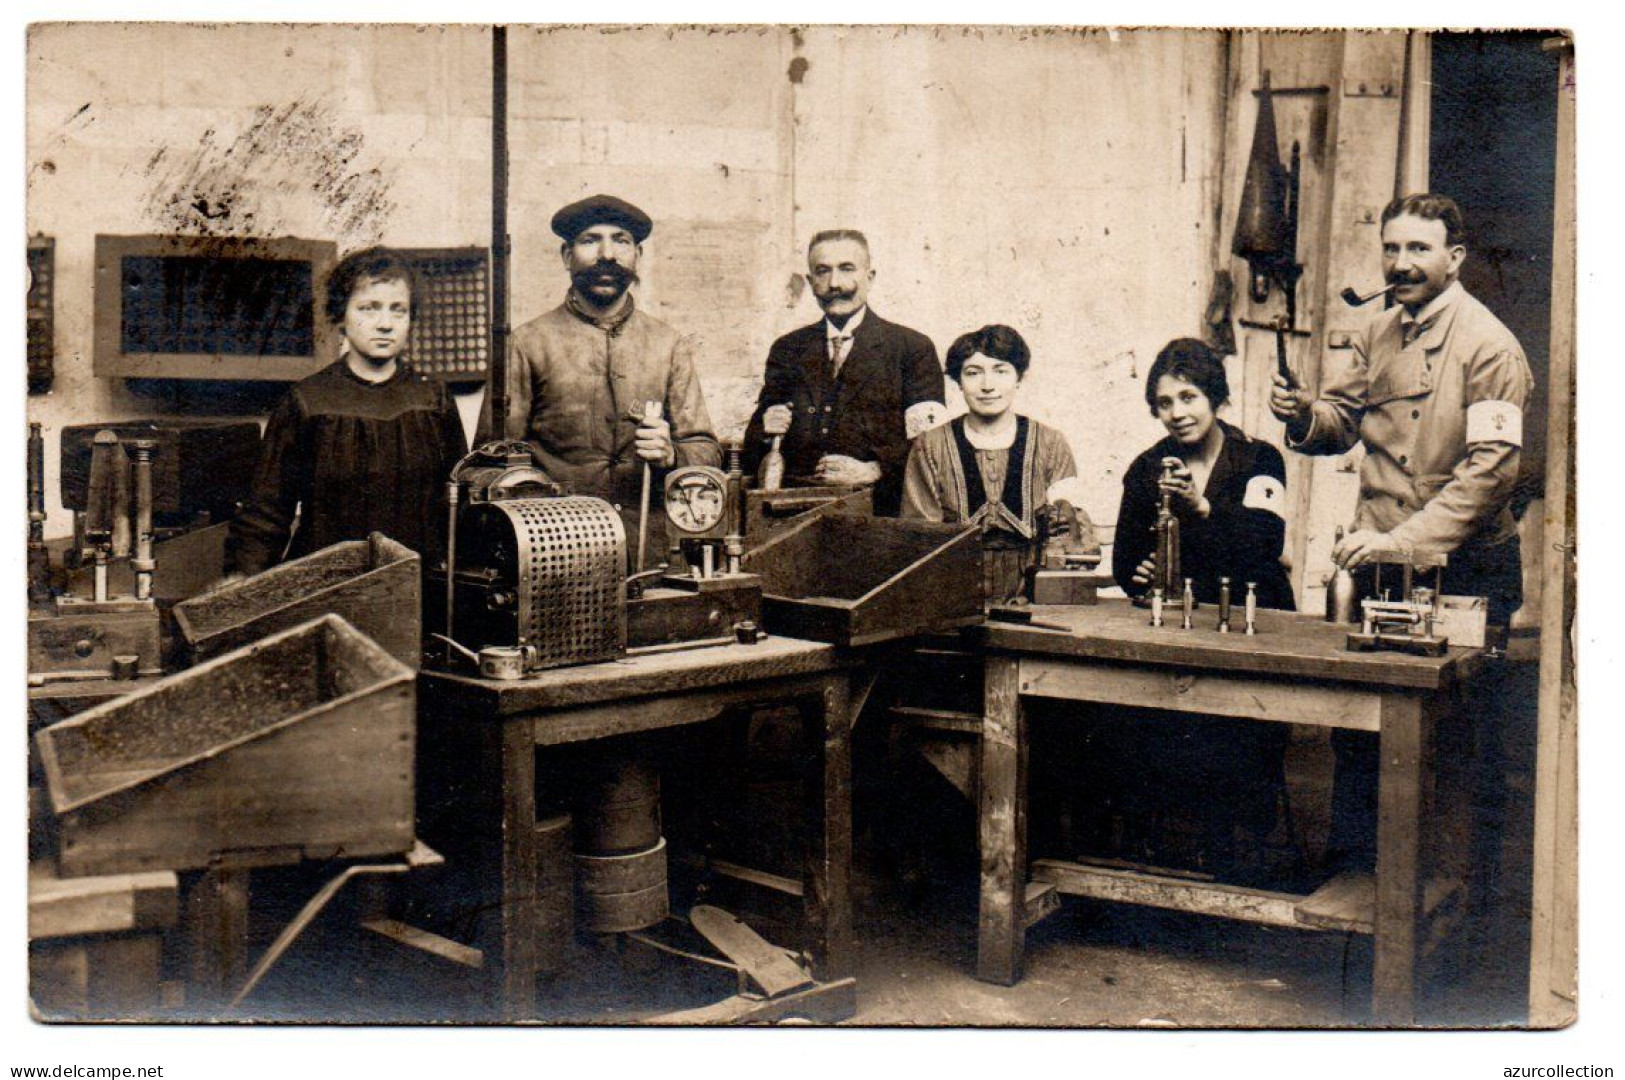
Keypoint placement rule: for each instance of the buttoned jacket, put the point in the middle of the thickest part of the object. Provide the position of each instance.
(1441, 418)
(858, 412)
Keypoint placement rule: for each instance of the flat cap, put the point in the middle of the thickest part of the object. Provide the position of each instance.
(601, 210)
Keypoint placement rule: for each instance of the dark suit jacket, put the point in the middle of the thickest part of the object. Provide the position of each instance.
(888, 368)
(1235, 541)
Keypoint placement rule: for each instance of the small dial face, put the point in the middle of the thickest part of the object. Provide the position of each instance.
(695, 497)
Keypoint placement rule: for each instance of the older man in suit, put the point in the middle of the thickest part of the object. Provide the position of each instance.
(850, 391)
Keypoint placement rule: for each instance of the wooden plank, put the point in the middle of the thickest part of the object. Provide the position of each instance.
(776, 882)
(1042, 899)
(1200, 692)
(424, 941)
(1002, 819)
(1402, 746)
(59, 907)
(1554, 937)
(821, 1003)
(677, 709)
(945, 720)
(1348, 902)
(1171, 893)
(1288, 645)
(764, 962)
(631, 677)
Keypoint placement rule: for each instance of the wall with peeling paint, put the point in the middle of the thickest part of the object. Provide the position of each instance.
(1065, 183)
(353, 134)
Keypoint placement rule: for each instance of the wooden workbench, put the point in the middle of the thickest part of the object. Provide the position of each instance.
(1296, 671)
(477, 742)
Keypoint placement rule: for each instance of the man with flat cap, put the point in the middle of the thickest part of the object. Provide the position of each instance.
(580, 376)
(849, 391)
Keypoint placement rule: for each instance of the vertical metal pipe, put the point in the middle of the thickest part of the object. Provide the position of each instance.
(500, 248)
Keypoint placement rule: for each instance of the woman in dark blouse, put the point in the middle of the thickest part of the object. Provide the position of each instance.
(1229, 492)
(362, 446)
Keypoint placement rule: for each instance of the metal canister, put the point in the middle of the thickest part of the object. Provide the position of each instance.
(1342, 596)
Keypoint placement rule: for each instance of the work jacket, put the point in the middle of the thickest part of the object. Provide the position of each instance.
(572, 389)
(1441, 418)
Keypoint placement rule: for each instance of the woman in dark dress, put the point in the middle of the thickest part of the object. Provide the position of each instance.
(364, 445)
(1229, 492)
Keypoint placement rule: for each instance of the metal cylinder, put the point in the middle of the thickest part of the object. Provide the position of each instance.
(619, 809)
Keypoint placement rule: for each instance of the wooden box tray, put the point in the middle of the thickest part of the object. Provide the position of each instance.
(375, 584)
(849, 579)
(297, 746)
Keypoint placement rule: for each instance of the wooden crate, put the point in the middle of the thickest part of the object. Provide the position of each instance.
(297, 746)
(375, 584)
(853, 580)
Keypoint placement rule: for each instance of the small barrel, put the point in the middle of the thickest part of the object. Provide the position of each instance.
(619, 809)
(623, 892)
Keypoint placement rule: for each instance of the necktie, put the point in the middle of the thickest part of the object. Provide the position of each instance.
(838, 346)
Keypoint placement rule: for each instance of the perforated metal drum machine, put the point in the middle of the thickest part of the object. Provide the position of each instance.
(545, 576)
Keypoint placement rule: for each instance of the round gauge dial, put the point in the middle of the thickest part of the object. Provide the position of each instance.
(695, 498)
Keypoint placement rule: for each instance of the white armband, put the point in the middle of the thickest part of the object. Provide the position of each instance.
(1494, 421)
(920, 418)
(1265, 493)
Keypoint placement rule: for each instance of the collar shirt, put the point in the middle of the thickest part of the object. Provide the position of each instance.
(1440, 416)
(839, 339)
(1410, 326)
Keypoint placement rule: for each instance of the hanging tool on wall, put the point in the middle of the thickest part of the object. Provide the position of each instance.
(1267, 221)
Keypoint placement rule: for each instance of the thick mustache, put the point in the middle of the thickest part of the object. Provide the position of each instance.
(602, 273)
(1406, 279)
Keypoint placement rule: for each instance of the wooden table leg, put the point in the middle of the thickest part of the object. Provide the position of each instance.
(828, 900)
(1402, 744)
(1002, 816)
(521, 913)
